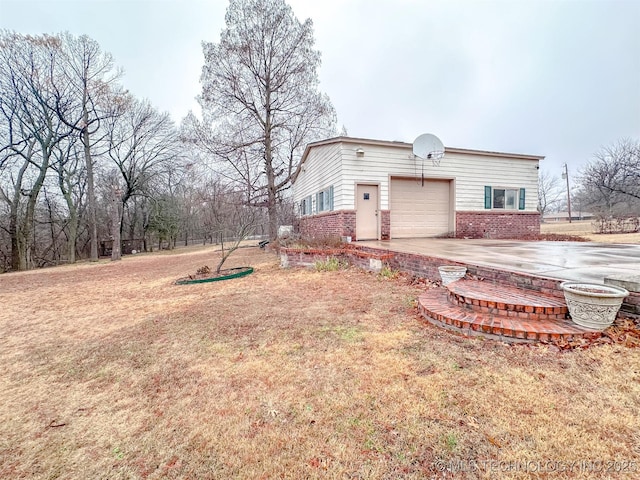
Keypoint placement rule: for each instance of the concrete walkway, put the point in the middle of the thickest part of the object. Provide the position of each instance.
(578, 261)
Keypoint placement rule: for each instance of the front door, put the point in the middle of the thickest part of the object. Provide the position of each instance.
(366, 212)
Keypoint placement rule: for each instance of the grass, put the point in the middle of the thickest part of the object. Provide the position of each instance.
(584, 228)
(331, 264)
(110, 370)
(388, 273)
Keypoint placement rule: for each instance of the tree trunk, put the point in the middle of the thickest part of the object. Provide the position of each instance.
(52, 231)
(25, 232)
(13, 233)
(271, 177)
(91, 195)
(23, 250)
(72, 229)
(73, 236)
(133, 220)
(116, 220)
(272, 209)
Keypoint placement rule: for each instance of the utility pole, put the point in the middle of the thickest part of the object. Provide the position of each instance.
(565, 174)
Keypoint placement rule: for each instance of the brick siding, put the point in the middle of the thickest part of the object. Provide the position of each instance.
(385, 224)
(353, 255)
(632, 303)
(497, 224)
(341, 223)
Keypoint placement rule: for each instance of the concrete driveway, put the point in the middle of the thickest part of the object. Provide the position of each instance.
(578, 261)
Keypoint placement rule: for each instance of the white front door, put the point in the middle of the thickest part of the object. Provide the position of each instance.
(366, 212)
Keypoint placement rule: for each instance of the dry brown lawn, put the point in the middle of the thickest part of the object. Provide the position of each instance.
(584, 228)
(109, 370)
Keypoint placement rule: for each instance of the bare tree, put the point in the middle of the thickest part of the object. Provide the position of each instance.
(142, 143)
(71, 179)
(28, 73)
(231, 219)
(261, 101)
(242, 220)
(115, 210)
(549, 192)
(89, 77)
(610, 183)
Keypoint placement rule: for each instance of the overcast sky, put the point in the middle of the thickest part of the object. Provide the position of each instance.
(554, 78)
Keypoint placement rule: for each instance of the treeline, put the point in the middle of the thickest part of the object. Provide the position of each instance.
(84, 162)
(607, 188)
(609, 185)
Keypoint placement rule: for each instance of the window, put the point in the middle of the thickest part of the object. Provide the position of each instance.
(306, 206)
(324, 200)
(504, 198)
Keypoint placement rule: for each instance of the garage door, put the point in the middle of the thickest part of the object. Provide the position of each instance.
(419, 210)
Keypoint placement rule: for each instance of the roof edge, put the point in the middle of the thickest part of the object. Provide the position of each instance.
(388, 143)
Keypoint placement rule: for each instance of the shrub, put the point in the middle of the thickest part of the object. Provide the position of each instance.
(331, 264)
(388, 273)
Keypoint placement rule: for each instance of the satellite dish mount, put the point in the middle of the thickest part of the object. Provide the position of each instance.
(428, 147)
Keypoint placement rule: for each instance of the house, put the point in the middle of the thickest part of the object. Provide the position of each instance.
(379, 190)
(564, 216)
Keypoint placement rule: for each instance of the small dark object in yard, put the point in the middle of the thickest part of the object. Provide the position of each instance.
(225, 274)
(263, 243)
(203, 270)
(53, 424)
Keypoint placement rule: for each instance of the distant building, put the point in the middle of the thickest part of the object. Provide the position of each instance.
(564, 216)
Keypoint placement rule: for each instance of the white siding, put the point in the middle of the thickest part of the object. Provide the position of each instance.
(470, 172)
(320, 170)
(337, 164)
(474, 172)
(376, 166)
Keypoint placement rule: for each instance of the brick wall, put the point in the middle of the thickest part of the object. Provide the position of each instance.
(341, 223)
(385, 224)
(369, 260)
(427, 267)
(497, 224)
(632, 303)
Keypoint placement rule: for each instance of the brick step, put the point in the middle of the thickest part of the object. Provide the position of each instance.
(491, 299)
(435, 307)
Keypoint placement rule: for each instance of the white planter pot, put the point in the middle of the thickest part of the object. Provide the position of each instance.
(593, 305)
(451, 273)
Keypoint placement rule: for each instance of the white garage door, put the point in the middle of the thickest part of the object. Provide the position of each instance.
(419, 210)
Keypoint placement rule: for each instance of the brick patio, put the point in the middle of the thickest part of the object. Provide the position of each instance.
(473, 307)
(491, 302)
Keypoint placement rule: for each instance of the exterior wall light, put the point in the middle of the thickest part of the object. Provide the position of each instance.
(360, 152)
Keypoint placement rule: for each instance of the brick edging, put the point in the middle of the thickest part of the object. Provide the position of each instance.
(426, 266)
(355, 255)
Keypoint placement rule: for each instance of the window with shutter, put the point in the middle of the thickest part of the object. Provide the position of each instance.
(504, 198)
(324, 200)
(487, 198)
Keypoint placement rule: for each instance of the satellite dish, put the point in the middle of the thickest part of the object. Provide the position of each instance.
(428, 146)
